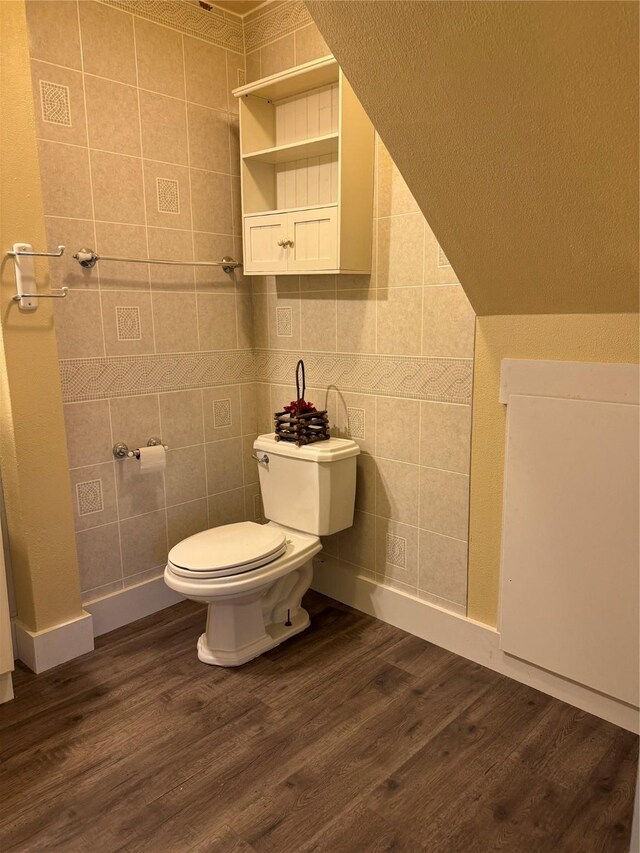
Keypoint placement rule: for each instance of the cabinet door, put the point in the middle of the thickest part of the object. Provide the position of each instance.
(262, 254)
(315, 239)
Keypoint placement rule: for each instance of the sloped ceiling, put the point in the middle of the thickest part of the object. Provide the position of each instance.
(515, 125)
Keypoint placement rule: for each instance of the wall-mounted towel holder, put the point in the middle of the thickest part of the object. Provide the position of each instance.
(26, 291)
(121, 450)
(88, 258)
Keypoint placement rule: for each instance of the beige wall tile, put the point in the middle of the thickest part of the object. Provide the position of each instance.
(399, 320)
(217, 321)
(253, 506)
(138, 493)
(445, 436)
(250, 467)
(107, 42)
(93, 495)
(357, 544)
(168, 195)
(99, 556)
(222, 417)
(54, 34)
(282, 284)
(206, 73)
(224, 465)
(211, 202)
(309, 44)
(181, 418)
(318, 326)
(396, 552)
(244, 310)
(88, 432)
(186, 520)
(365, 483)
(74, 234)
(398, 433)
(227, 508)
(78, 321)
(90, 595)
(277, 56)
(460, 609)
(236, 206)
(444, 502)
(164, 128)
(253, 66)
(449, 323)
(172, 245)
(235, 76)
(185, 477)
(209, 139)
(129, 241)
(175, 322)
(128, 323)
(397, 490)
(143, 577)
(135, 420)
(60, 114)
(159, 55)
(311, 283)
(393, 195)
(400, 242)
(66, 188)
(437, 269)
(257, 416)
(355, 417)
(356, 314)
(284, 322)
(113, 116)
(214, 247)
(234, 144)
(144, 542)
(443, 567)
(260, 321)
(117, 188)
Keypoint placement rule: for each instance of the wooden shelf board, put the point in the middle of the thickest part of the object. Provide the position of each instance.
(291, 209)
(315, 147)
(302, 78)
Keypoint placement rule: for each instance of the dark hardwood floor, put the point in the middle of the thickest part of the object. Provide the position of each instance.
(351, 738)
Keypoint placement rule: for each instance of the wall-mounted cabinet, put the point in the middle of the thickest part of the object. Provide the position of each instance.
(307, 160)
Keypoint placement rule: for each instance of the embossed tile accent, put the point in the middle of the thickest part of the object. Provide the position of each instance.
(284, 322)
(242, 77)
(274, 23)
(56, 107)
(443, 261)
(168, 194)
(210, 25)
(441, 379)
(356, 422)
(258, 509)
(396, 550)
(128, 323)
(221, 413)
(89, 497)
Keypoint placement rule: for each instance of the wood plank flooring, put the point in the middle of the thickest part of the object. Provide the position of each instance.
(351, 738)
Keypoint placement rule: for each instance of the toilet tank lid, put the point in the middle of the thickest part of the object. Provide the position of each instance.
(330, 450)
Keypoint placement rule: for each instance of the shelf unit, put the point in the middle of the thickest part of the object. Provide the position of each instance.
(307, 160)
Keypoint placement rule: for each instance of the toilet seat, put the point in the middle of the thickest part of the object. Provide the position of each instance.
(229, 550)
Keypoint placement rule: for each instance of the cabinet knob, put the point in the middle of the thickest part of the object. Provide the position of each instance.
(285, 243)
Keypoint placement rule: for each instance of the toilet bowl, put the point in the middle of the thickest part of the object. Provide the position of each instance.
(253, 576)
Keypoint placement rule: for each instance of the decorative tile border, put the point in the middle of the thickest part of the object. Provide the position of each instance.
(212, 26)
(274, 23)
(445, 380)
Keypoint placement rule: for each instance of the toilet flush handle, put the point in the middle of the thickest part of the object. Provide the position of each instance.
(261, 460)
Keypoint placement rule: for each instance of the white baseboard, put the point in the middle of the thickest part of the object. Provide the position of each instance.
(42, 650)
(464, 637)
(118, 609)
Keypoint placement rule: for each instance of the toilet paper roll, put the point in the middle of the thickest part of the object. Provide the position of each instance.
(152, 459)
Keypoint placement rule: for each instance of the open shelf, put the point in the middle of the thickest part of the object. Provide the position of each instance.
(311, 75)
(315, 147)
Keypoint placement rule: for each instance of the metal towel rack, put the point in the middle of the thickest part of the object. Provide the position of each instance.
(25, 276)
(88, 258)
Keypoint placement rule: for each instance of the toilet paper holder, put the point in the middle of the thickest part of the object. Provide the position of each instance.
(121, 450)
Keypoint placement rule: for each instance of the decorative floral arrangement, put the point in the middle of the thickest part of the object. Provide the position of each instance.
(300, 421)
(299, 407)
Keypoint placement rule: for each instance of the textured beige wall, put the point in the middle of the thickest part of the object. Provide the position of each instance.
(515, 126)
(566, 337)
(32, 439)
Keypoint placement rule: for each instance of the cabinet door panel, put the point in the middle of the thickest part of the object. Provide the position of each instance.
(315, 239)
(261, 250)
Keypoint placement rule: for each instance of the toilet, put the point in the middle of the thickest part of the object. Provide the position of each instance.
(253, 576)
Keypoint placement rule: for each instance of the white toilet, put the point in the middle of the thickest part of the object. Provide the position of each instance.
(253, 576)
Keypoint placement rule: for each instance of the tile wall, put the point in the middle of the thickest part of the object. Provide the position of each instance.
(138, 137)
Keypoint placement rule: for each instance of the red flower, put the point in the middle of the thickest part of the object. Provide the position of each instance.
(300, 407)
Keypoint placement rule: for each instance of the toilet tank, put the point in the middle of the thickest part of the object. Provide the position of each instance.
(310, 488)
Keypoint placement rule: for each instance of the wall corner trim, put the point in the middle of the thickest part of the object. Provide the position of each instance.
(465, 637)
(42, 650)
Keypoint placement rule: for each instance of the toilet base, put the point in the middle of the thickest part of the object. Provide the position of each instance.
(274, 635)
